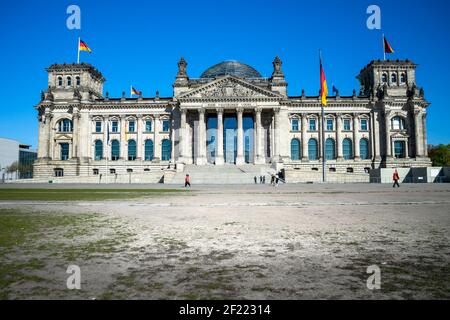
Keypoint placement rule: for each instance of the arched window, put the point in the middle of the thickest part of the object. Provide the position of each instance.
(399, 149)
(347, 149)
(131, 150)
(165, 150)
(78, 81)
(98, 150)
(60, 81)
(65, 125)
(64, 151)
(398, 123)
(115, 150)
(394, 78)
(69, 81)
(312, 149)
(384, 78)
(330, 149)
(295, 149)
(364, 149)
(403, 78)
(148, 150)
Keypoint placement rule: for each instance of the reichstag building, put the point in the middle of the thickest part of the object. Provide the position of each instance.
(229, 118)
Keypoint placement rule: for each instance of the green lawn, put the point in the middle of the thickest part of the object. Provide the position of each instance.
(81, 194)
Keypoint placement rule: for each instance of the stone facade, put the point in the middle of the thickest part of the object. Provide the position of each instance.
(84, 133)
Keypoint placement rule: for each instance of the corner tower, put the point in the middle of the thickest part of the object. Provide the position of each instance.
(74, 81)
(397, 77)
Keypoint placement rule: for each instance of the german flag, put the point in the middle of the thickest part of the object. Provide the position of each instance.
(323, 85)
(84, 47)
(135, 92)
(387, 46)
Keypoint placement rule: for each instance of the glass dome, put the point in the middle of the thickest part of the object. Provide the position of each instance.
(233, 68)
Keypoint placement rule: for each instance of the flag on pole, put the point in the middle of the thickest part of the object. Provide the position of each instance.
(135, 92)
(387, 48)
(84, 47)
(323, 85)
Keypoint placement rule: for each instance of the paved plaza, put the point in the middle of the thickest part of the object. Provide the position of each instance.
(308, 241)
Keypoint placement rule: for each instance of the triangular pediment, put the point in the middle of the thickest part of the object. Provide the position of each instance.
(63, 136)
(228, 87)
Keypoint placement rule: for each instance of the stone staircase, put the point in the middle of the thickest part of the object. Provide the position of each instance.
(226, 174)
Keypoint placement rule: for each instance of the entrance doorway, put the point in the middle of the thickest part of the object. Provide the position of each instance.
(230, 138)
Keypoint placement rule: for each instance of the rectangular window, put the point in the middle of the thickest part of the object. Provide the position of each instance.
(148, 126)
(98, 126)
(131, 126)
(330, 124)
(64, 151)
(294, 125)
(115, 126)
(312, 124)
(364, 124)
(347, 124)
(166, 125)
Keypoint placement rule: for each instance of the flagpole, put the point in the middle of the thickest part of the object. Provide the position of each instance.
(384, 48)
(131, 91)
(78, 59)
(107, 150)
(324, 174)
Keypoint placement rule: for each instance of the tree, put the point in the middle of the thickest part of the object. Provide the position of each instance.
(13, 167)
(440, 155)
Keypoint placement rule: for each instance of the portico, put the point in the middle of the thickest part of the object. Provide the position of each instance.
(219, 135)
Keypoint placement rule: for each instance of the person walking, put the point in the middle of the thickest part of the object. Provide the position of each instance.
(395, 178)
(187, 181)
(272, 179)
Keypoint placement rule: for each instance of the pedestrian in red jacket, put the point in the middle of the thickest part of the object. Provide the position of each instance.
(187, 181)
(395, 178)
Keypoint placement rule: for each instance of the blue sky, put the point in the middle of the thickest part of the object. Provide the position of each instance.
(139, 43)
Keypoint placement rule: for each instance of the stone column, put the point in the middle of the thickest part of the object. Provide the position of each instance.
(376, 135)
(201, 138)
(219, 142)
(123, 142)
(340, 153)
(240, 137)
(51, 144)
(417, 133)
(387, 125)
(424, 134)
(304, 138)
(276, 148)
(85, 129)
(44, 136)
(76, 133)
(183, 138)
(258, 137)
(357, 153)
(156, 138)
(106, 127)
(139, 142)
